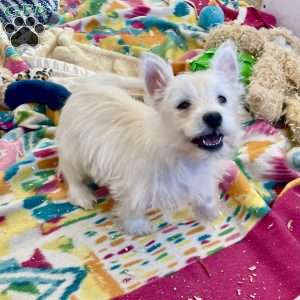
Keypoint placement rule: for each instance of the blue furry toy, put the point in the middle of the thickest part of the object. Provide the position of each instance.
(36, 91)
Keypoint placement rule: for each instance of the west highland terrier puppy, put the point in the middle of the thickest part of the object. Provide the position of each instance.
(155, 154)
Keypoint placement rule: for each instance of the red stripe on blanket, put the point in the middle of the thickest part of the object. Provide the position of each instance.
(264, 265)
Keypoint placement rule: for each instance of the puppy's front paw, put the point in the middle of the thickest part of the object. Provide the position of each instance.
(83, 198)
(137, 226)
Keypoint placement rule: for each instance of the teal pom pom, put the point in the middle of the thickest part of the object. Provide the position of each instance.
(211, 16)
(181, 9)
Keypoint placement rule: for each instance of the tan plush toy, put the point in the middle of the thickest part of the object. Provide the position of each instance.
(284, 48)
(245, 37)
(274, 89)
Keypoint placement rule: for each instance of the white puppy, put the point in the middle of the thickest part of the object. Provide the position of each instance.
(153, 155)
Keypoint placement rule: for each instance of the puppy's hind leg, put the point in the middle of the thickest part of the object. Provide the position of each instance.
(79, 192)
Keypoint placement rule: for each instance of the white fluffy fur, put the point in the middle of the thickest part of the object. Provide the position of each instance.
(143, 152)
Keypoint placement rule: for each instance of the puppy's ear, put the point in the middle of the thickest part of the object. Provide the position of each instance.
(156, 74)
(225, 61)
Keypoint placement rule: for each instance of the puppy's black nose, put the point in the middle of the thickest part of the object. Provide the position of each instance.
(213, 119)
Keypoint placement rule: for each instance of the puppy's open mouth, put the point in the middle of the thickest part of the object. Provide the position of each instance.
(210, 142)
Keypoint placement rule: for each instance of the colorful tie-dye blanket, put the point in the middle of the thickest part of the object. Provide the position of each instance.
(168, 28)
(51, 249)
(131, 27)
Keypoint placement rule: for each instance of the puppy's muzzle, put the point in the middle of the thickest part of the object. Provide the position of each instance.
(213, 140)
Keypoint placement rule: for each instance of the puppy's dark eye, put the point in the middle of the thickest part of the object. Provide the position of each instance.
(184, 105)
(222, 99)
